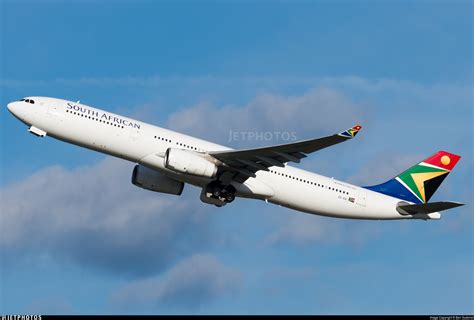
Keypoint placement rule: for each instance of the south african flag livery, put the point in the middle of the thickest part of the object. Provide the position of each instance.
(352, 132)
(419, 183)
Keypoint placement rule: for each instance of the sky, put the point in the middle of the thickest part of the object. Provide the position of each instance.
(77, 237)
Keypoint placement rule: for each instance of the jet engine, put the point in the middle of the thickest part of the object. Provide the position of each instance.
(189, 162)
(152, 180)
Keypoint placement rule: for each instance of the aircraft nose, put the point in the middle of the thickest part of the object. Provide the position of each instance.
(10, 106)
(14, 108)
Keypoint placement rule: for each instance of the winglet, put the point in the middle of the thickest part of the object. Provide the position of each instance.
(352, 132)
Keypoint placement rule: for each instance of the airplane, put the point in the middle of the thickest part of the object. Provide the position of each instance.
(167, 160)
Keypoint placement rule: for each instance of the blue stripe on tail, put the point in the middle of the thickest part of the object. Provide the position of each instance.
(395, 189)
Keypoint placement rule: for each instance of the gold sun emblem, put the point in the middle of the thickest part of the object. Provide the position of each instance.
(445, 160)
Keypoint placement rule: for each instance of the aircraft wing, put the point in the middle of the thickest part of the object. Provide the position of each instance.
(244, 163)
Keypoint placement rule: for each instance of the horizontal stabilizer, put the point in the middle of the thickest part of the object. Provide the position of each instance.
(427, 207)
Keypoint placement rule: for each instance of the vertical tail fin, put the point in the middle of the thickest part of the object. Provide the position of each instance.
(419, 183)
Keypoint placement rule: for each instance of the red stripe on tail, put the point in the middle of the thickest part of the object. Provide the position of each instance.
(443, 160)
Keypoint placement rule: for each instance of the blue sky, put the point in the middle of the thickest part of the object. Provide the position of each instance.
(77, 237)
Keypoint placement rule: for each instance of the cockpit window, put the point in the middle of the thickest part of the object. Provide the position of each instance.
(28, 100)
(32, 101)
(22, 99)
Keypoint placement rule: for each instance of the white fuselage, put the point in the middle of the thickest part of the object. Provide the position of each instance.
(146, 144)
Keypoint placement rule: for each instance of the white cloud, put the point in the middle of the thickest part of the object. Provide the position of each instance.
(193, 281)
(95, 216)
(302, 230)
(306, 229)
(318, 111)
(384, 167)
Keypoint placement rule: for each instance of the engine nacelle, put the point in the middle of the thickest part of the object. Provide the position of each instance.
(152, 180)
(189, 162)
